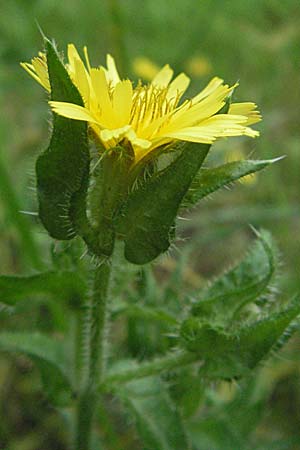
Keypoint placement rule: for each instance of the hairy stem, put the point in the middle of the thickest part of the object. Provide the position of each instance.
(94, 354)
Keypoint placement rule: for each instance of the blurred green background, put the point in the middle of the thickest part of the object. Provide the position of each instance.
(256, 43)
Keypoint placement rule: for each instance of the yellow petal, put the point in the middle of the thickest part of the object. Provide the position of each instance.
(229, 125)
(142, 144)
(73, 54)
(137, 143)
(78, 73)
(209, 89)
(112, 72)
(30, 69)
(81, 80)
(100, 87)
(192, 114)
(72, 111)
(220, 125)
(247, 109)
(251, 133)
(116, 134)
(163, 78)
(177, 88)
(193, 134)
(87, 59)
(40, 66)
(122, 102)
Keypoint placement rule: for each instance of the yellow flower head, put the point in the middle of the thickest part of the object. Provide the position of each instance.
(147, 116)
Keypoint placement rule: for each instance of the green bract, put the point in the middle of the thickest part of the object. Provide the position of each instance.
(62, 170)
(150, 212)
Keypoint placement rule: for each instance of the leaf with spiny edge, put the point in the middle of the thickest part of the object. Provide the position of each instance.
(229, 355)
(63, 168)
(243, 284)
(146, 220)
(50, 358)
(208, 181)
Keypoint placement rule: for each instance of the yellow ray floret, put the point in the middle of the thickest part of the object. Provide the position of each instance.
(38, 70)
(147, 116)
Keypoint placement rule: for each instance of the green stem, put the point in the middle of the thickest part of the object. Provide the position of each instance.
(155, 367)
(94, 357)
(78, 341)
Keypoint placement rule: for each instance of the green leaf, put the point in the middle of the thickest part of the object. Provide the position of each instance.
(146, 221)
(241, 285)
(230, 355)
(50, 358)
(65, 285)
(157, 419)
(210, 180)
(255, 341)
(63, 169)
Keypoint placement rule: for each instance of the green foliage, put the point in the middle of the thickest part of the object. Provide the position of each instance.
(50, 358)
(230, 344)
(157, 419)
(226, 296)
(232, 355)
(208, 181)
(146, 224)
(60, 286)
(62, 170)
